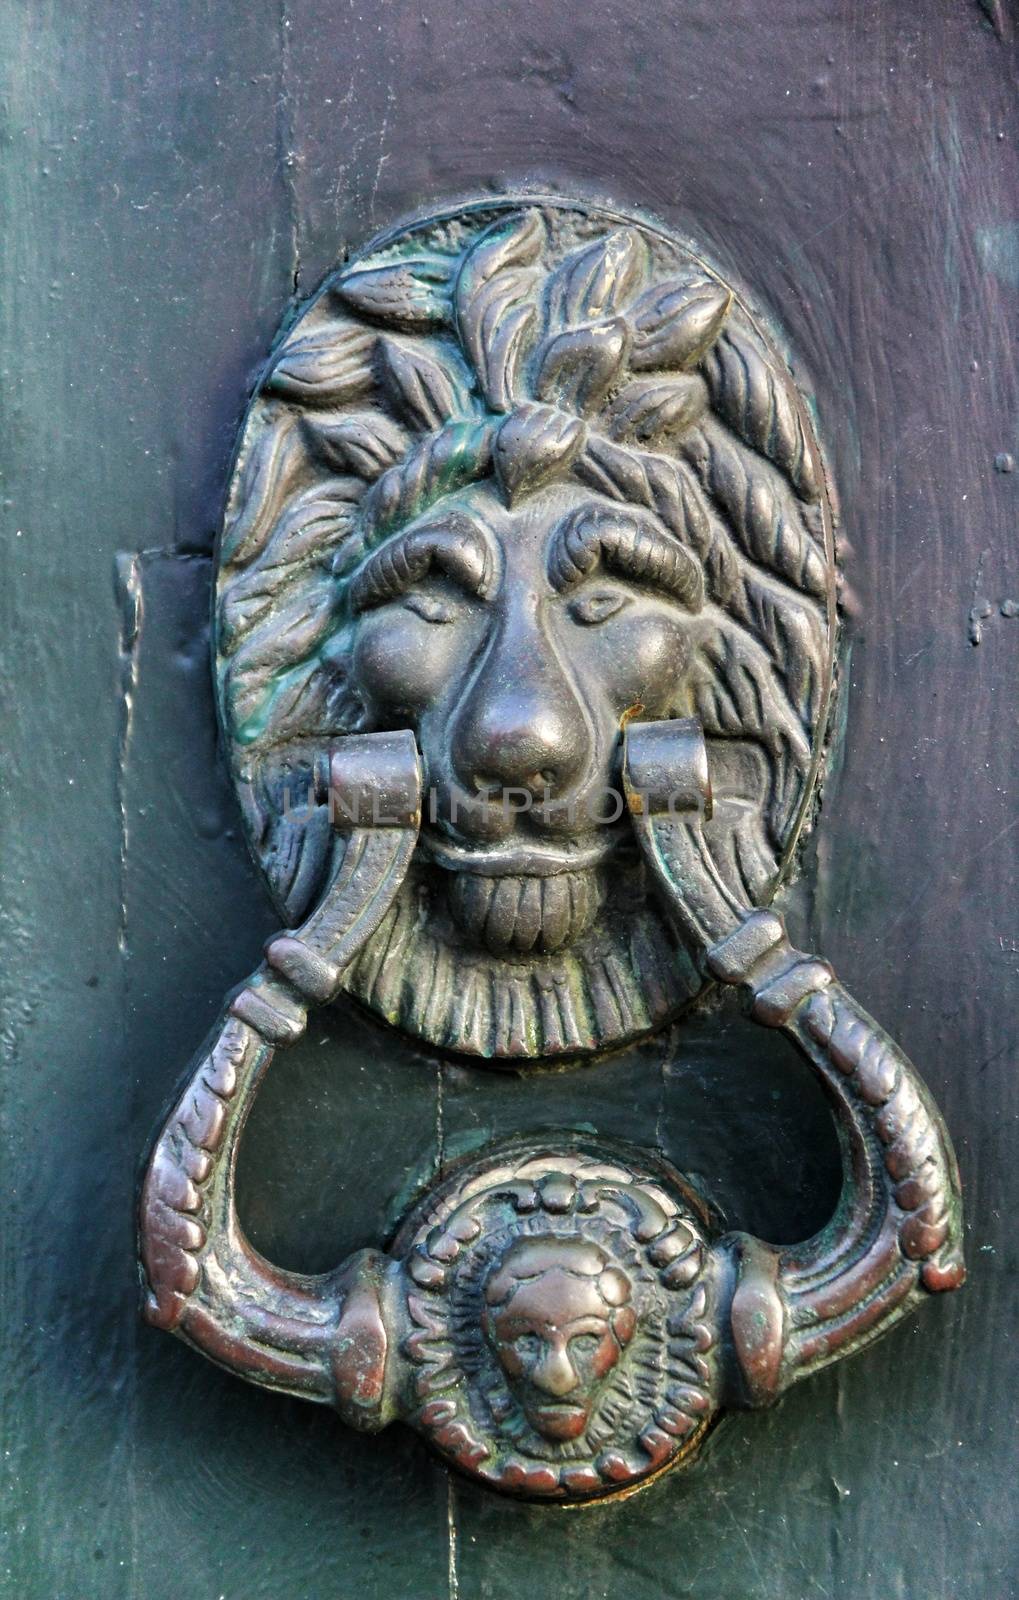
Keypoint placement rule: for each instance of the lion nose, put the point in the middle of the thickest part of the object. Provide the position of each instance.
(555, 1374)
(521, 726)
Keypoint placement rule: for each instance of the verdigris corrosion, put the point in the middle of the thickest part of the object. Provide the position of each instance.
(516, 475)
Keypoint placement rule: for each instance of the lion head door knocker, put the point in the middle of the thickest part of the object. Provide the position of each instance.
(525, 655)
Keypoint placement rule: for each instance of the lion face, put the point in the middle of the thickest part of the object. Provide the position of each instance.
(515, 641)
(514, 476)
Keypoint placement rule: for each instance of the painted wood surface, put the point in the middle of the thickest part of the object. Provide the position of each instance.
(176, 173)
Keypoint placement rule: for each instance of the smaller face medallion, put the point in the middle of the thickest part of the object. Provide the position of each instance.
(560, 1307)
(557, 1316)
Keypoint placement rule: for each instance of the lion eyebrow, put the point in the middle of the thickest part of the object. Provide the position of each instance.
(454, 545)
(630, 545)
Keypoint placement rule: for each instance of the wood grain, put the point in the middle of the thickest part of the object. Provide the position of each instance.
(174, 171)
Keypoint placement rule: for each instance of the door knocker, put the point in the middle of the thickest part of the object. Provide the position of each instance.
(524, 649)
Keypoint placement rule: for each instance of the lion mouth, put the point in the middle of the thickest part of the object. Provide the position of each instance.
(525, 912)
(521, 860)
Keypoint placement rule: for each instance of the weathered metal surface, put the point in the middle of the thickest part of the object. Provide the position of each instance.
(520, 472)
(557, 1321)
(858, 167)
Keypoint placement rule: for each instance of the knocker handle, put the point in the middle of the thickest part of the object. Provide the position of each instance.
(558, 1319)
(897, 1230)
(320, 1337)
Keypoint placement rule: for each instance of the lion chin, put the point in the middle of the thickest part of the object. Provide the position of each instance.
(518, 914)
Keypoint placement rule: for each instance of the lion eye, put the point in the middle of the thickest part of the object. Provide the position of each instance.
(431, 607)
(598, 607)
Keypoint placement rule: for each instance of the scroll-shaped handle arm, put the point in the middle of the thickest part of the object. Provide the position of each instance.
(320, 1337)
(896, 1233)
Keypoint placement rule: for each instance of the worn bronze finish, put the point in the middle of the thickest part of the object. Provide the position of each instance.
(560, 1320)
(517, 475)
(528, 514)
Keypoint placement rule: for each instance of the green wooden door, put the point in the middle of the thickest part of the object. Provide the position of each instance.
(178, 176)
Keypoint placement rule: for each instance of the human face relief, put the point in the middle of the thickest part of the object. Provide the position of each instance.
(555, 1342)
(515, 642)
